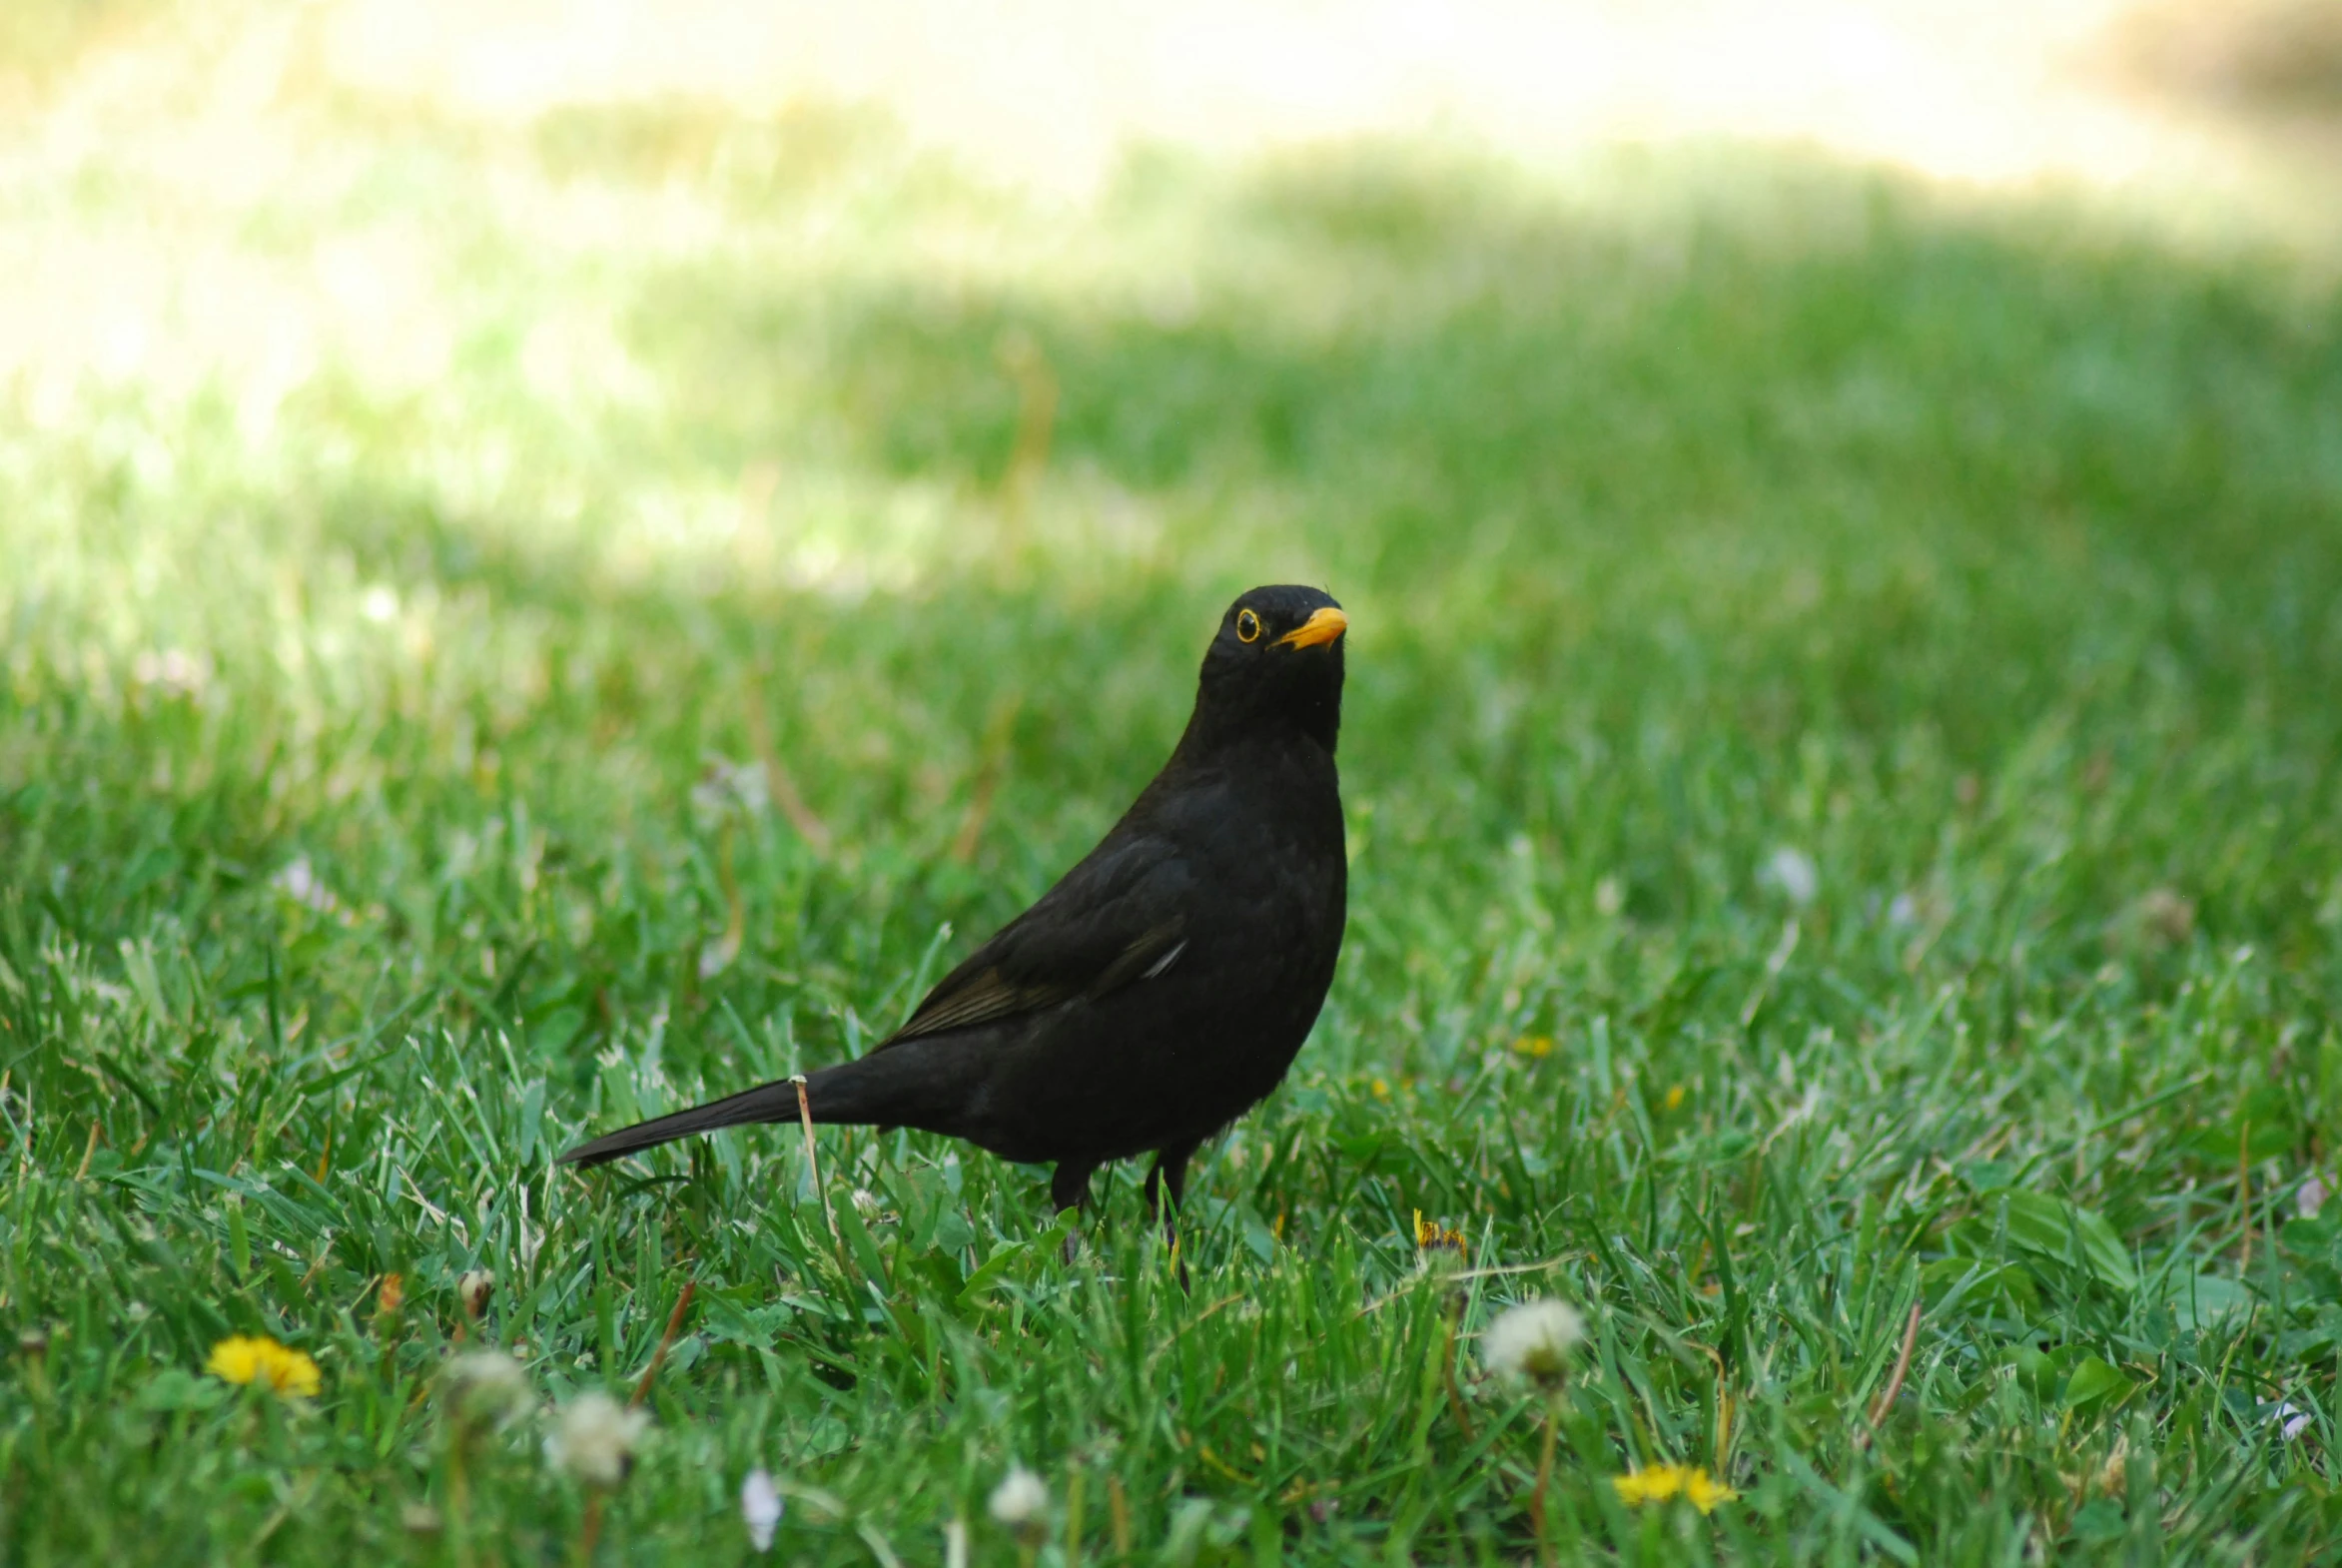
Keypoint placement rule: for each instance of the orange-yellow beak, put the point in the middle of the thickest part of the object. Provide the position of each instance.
(1324, 626)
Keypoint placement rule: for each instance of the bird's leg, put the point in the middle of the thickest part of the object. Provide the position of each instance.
(1069, 1188)
(1168, 1178)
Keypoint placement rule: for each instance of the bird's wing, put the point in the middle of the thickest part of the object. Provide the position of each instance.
(1115, 919)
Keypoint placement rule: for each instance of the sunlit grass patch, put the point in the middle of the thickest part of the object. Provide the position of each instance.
(41, 39)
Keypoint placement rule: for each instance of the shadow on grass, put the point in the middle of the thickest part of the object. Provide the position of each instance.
(1827, 411)
(1762, 447)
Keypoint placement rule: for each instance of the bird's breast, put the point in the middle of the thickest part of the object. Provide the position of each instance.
(1272, 890)
(1204, 1034)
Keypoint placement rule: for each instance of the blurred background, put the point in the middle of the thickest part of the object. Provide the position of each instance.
(214, 188)
(254, 194)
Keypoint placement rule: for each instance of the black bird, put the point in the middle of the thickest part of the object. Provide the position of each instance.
(1163, 986)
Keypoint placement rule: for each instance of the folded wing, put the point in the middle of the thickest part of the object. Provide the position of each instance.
(1117, 918)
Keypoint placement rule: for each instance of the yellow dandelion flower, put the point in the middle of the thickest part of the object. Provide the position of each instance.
(1654, 1485)
(1659, 1483)
(1706, 1492)
(1534, 1044)
(1431, 1236)
(1674, 1096)
(256, 1359)
(1381, 1088)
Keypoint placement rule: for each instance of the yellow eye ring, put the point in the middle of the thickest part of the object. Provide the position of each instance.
(1247, 626)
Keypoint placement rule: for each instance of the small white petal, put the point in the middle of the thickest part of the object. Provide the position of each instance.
(299, 882)
(2310, 1199)
(172, 672)
(761, 1508)
(717, 956)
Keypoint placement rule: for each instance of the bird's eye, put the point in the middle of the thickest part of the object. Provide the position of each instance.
(1247, 626)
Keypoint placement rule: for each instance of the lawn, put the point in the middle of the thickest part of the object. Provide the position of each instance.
(1845, 794)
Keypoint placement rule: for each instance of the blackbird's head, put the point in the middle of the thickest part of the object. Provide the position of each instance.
(1276, 664)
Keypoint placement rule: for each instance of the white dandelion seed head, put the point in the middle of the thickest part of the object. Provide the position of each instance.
(1533, 1340)
(726, 786)
(761, 1508)
(488, 1386)
(1021, 1497)
(595, 1438)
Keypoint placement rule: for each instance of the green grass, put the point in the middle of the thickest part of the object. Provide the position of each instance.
(1689, 509)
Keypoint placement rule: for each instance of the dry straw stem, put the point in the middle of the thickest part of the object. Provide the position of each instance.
(2243, 1190)
(1074, 1496)
(992, 763)
(1447, 1380)
(1885, 1400)
(589, 1533)
(666, 1341)
(1119, 1504)
(1037, 406)
(1545, 1481)
(813, 1165)
(779, 783)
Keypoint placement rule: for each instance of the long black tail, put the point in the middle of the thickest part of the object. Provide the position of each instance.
(920, 1083)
